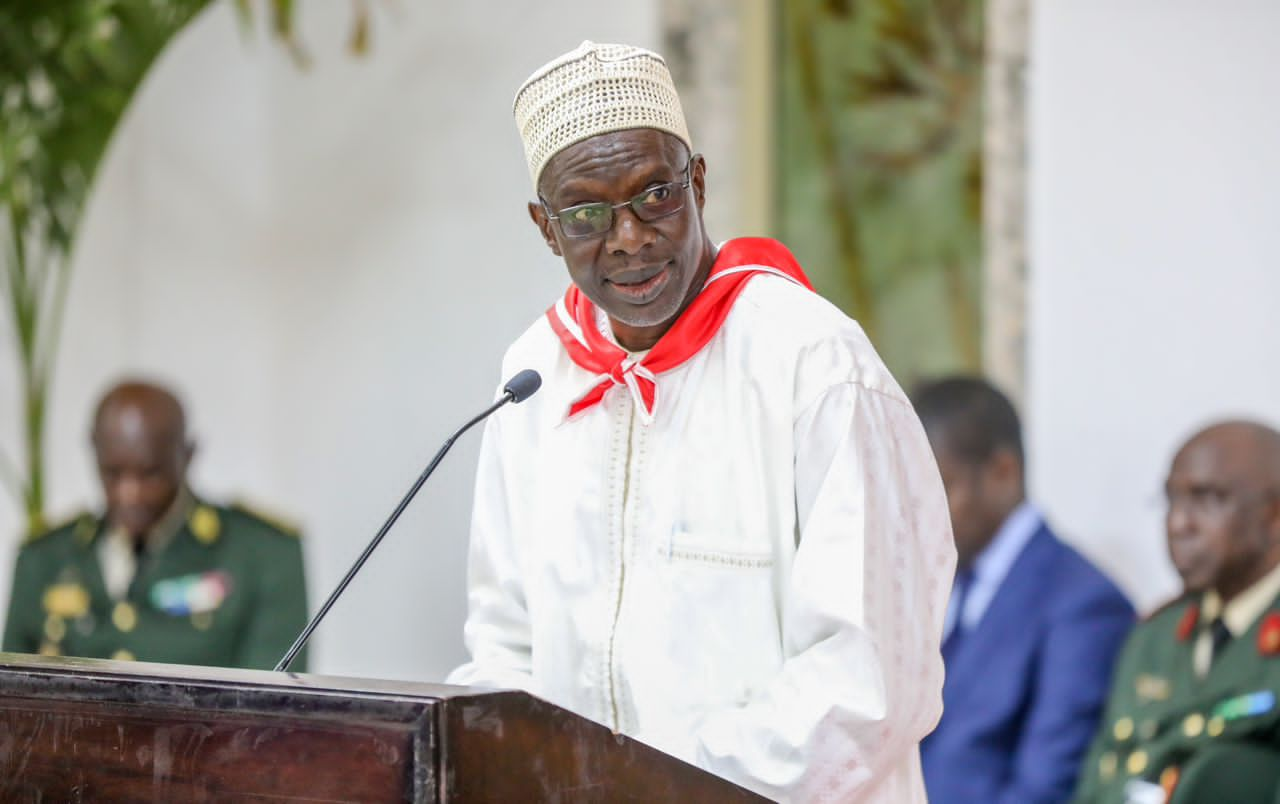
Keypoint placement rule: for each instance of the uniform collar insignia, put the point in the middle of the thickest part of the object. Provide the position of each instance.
(1187, 624)
(1269, 634)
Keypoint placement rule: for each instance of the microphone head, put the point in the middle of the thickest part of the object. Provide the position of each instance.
(522, 386)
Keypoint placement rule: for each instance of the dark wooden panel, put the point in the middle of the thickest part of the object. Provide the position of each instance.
(89, 730)
(73, 751)
(84, 730)
(509, 746)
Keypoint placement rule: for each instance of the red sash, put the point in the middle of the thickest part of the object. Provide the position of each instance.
(573, 319)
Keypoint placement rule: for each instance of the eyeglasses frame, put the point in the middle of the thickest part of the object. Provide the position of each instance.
(613, 217)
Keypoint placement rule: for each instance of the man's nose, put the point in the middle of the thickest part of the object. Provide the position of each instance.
(1178, 518)
(629, 234)
(127, 491)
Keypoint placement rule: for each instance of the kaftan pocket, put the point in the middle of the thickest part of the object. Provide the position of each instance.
(715, 551)
(714, 616)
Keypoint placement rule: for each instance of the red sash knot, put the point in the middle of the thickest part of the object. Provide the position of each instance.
(573, 318)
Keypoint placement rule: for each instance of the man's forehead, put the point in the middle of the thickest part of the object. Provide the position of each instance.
(128, 422)
(1220, 456)
(136, 428)
(613, 157)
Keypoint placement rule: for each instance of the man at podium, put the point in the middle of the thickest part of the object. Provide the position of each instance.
(162, 576)
(719, 528)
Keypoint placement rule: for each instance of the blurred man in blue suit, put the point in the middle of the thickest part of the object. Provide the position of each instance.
(1032, 628)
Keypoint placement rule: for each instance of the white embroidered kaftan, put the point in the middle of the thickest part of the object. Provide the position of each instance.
(755, 582)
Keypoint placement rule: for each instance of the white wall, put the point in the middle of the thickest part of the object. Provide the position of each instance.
(1155, 254)
(328, 265)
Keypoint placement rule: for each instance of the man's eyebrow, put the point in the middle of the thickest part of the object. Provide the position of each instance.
(664, 172)
(577, 187)
(582, 185)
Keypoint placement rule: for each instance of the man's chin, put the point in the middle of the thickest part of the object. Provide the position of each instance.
(1193, 583)
(659, 313)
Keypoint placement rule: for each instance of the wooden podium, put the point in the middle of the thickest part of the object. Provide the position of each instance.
(88, 730)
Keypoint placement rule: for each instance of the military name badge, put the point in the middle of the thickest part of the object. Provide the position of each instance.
(69, 601)
(1151, 688)
(199, 593)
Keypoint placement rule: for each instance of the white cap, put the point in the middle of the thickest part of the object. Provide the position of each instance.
(594, 89)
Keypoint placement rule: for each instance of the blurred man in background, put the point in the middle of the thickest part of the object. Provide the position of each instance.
(161, 576)
(1032, 628)
(1193, 715)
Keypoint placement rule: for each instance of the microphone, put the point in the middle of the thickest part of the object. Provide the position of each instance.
(523, 385)
(519, 388)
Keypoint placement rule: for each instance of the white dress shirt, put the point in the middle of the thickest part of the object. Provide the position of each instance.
(755, 582)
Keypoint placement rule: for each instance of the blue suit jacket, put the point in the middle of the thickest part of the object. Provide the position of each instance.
(1025, 689)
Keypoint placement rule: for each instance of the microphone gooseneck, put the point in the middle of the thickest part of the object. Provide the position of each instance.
(519, 388)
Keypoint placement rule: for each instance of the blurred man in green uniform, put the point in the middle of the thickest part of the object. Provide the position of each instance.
(1193, 713)
(162, 576)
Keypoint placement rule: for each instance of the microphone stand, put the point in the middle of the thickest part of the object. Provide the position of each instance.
(510, 394)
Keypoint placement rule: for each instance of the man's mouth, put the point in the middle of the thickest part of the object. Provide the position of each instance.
(641, 285)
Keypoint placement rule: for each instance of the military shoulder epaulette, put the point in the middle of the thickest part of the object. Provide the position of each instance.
(83, 522)
(279, 523)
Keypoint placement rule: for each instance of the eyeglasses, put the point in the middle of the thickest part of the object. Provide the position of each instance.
(596, 218)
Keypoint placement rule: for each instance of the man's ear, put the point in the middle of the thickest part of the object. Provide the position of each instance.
(698, 177)
(538, 214)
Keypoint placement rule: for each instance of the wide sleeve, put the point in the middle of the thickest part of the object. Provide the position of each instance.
(862, 615)
(1078, 655)
(497, 632)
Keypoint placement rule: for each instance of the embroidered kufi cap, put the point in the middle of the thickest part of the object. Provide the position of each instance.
(594, 89)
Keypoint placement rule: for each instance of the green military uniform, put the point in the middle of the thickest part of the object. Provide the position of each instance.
(226, 589)
(1214, 738)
